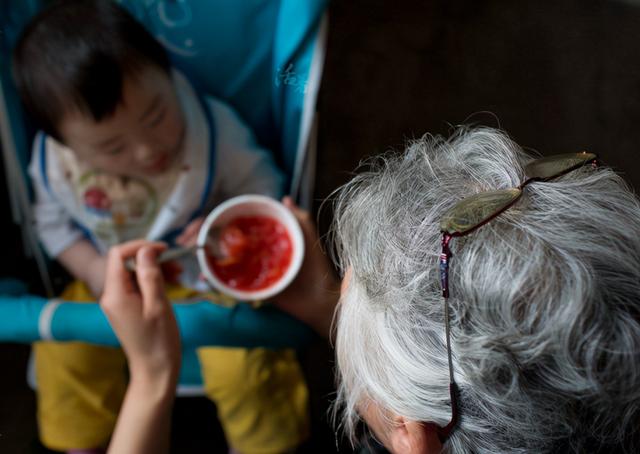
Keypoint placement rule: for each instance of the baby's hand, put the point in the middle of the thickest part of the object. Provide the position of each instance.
(313, 295)
(189, 235)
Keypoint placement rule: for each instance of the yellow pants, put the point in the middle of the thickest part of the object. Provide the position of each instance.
(260, 394)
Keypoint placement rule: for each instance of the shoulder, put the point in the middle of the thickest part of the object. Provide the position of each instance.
(224, 114)
(52, 163)
(229, 127)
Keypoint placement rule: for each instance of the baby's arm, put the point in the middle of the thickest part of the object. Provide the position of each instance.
(83, 262)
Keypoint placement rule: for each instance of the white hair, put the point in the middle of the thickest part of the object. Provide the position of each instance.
(545, 299)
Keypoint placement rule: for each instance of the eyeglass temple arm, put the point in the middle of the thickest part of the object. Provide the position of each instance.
(445, 432)
(445, 256)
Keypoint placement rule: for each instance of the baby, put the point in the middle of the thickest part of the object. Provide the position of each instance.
(128, 149)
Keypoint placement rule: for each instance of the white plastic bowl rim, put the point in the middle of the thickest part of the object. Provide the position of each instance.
(257, 205)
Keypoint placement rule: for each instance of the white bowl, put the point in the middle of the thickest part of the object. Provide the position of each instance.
(252, 205)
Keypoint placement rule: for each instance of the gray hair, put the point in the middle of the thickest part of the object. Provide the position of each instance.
(545, 299)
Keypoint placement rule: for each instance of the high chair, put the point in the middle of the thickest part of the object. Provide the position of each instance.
(264, 58)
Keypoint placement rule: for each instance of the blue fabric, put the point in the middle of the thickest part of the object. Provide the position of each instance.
(190, 372)
(296, 34)
(201, 323)
(13, 17)
(19, 318)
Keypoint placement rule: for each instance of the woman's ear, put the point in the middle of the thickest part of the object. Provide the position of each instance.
(413, 437)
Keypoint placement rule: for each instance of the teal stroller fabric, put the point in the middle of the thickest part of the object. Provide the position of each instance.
(263, 57)
(26, 319)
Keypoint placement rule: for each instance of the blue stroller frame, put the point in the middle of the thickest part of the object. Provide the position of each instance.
(263, 57)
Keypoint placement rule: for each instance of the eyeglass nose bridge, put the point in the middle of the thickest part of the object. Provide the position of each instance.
(476, 210)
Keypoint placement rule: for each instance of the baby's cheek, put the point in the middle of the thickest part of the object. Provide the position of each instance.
(167, 129)
(178, 132)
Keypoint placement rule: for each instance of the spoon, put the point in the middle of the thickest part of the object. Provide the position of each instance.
(212, 245)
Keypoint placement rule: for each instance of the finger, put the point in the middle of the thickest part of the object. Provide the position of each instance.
(150, 280)
(130, 253)
(303, 216)
(188, 240)
(127, 251)
(191, 230)
(180, 239)
(118, 278)
(194, 227)
(130, 248)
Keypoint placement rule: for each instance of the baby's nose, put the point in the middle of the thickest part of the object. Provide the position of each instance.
(144, 152)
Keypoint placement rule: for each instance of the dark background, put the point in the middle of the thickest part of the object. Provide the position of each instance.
(559, 76)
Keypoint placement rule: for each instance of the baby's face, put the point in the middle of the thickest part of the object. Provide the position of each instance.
(143, 137)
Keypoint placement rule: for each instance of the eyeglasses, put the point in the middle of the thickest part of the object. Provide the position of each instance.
(475, 211)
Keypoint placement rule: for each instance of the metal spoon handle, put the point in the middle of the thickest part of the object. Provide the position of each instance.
(165, 256)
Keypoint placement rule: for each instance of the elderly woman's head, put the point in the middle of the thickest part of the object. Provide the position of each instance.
(545, 302)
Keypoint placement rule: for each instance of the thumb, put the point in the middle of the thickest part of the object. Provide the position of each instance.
(302, 216)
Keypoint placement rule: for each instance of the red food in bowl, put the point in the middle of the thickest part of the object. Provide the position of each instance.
(258, 251)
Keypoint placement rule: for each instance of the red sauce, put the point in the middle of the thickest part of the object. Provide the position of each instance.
(258, 252)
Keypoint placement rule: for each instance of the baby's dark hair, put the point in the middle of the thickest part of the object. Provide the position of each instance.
(76, 54)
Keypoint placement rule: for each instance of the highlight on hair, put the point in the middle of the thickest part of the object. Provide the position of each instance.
(545, 300)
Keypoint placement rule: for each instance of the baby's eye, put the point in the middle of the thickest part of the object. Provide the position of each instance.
(114, 151)
(158, 118)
